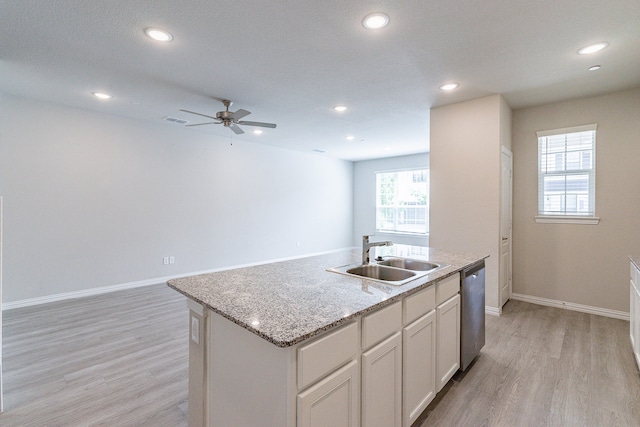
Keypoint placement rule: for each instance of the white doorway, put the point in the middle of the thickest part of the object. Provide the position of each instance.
(505, 225)
(1, 400)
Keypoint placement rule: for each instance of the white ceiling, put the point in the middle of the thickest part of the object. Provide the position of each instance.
(291, 61)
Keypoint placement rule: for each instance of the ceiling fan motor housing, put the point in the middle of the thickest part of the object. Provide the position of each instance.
(224, 115)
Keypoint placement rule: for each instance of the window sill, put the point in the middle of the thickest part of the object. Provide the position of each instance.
(566, 219)
(401, 233)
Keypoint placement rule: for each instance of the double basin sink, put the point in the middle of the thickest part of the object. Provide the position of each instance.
(390, 270)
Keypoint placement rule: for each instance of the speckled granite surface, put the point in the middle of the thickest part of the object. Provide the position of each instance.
(635, 260)
(290, 301)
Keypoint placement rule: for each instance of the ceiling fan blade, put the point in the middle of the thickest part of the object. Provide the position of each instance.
(236, 129)
(207, 123)
(260, 124)
(240, 114)
(199, 114)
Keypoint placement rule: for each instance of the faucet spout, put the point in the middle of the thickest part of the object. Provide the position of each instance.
(366, 246)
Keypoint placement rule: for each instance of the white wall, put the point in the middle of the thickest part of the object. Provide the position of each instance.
(93, 200)
(580, 264)
(364, 197)
(466, 140)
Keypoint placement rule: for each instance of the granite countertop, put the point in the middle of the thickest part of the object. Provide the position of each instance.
(635, 260)
(290, 301)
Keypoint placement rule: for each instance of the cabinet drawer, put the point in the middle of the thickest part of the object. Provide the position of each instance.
(380, 324)
(447, 288)
(327, 353)
(419, 304)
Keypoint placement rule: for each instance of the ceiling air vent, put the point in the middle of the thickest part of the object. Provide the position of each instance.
(176, 120)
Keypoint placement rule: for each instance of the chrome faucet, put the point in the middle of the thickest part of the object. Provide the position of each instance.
(366, 246)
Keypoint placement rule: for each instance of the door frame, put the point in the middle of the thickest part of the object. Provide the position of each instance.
(506, 154)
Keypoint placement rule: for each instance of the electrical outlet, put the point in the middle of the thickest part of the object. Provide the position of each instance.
(172, 260)
(165, 260)
(195, 330)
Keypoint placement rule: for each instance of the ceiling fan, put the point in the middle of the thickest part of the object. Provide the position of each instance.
(230, 119)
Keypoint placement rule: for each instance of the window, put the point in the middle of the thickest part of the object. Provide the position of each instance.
(402, 201)
(566, 174)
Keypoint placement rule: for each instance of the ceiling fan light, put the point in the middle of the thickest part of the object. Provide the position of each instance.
(158, 34)
(587, 50)
(375, 21)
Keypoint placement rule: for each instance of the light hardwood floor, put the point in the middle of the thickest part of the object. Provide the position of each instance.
(120, 359)
(117, 359)
(544, 366)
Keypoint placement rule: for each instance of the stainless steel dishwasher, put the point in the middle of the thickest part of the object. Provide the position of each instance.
(471, 313)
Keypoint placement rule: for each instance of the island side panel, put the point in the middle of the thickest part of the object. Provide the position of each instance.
(197, 364)
(250, 381)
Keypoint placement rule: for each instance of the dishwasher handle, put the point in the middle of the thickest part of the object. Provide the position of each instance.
(473, 270)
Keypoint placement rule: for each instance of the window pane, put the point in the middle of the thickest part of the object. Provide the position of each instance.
(566, 175)
(402, 199)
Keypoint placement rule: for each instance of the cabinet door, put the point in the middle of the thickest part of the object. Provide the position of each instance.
(382, 384)
(448, 340)
(419, 367)
(332, 402)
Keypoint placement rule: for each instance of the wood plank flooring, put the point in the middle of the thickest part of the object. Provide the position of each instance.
(121, 359)
(544, 366)
(118, 359)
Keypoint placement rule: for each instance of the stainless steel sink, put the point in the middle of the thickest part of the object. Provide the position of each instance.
(380, 272)
(394, 271)
(409, 264)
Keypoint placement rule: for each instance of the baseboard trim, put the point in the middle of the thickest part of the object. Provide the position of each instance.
(137, 284)
(494, 311)
(572, 306)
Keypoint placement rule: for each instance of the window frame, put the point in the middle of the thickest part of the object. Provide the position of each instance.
(422, 169)
(570, 218)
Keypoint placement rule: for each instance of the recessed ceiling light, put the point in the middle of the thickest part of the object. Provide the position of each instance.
(449, 86)
(350, 138)
(101, 95)
(340, 108)
(594, 67)
(158, 34)
(258, 131)
(375, 21)
(592, 48)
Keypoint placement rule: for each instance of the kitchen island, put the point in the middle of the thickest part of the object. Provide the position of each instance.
(268, 341)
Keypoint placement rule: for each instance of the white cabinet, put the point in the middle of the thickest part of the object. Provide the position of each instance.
(382, 384)
(448, 340)
(333, 401)
(323, 355)
(381, 369)
(334, 398)
(419, 370)
(634, 312)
